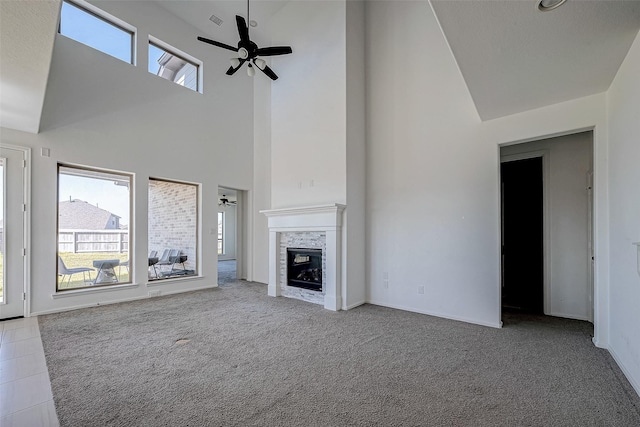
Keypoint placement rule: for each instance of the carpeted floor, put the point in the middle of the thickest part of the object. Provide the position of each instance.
(234, 357)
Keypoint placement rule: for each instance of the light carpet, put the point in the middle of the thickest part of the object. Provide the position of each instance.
(234, 357)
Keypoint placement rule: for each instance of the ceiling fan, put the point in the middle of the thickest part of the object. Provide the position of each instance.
(223, 201)
(248, 51)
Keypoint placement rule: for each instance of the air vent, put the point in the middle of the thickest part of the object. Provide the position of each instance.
(215, 20)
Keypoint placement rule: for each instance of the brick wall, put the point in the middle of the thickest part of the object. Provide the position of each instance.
(173, 219)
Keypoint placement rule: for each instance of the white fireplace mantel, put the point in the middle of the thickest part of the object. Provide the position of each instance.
(323, 218)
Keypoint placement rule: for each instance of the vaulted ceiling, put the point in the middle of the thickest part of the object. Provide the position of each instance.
(513, 57)
(27, 32)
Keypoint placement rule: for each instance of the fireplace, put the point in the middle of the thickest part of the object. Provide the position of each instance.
(304, 268)
(311, 227)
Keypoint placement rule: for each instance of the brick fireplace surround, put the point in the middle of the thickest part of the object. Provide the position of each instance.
(317, 227)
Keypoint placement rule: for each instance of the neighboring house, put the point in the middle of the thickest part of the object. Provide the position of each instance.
(80, 215)
(177, 70)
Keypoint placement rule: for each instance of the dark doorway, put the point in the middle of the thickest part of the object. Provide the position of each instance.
(522, 235)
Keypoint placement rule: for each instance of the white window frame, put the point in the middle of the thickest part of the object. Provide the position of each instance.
(86, 171)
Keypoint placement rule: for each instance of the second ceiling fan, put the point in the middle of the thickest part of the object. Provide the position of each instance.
(248, 51)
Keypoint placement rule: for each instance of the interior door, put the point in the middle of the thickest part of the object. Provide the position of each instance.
(522, 235)
(13, 211)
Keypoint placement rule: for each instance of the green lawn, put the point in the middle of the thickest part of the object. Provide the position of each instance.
(72, 260)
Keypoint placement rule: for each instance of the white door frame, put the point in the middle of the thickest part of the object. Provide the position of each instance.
(243, 232)
(26, 237)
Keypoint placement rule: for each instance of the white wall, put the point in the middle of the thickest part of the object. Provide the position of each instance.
(433, 173)
(229, 232)
(624, 156)
(355, 233)
(261, 194)
(308, 106)
(101, 112)
(318, 122)
(431, 180)
(567, 161)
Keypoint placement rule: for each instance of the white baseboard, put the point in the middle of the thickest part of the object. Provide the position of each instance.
(354, 305)
(625, 371)
(137, 298)
(437, 314)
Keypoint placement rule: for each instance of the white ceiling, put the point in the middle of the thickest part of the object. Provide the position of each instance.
(27, 32)
(515, 58)
(198, 12)
(229, 193)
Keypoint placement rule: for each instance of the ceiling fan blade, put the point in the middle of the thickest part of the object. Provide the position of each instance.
(231, 71)
(269, 72)
(273, 51)
(215, 43)
(243, 30)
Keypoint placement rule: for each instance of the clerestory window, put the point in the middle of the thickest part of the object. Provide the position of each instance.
(95, 28)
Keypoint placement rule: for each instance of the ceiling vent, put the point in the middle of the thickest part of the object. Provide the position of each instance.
(215, 20)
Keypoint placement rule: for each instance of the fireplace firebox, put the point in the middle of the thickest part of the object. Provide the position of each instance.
(304, 268)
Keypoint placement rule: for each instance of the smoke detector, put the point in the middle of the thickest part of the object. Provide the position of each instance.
(547, 5)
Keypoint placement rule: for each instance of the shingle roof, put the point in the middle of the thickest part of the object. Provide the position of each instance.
(78, 214)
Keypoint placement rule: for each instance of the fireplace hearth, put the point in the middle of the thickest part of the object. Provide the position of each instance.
(304, 268)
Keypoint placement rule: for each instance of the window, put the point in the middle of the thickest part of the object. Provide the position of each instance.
(220, 233)
(94, 211)
(166, 62)
(97, 29)
(173, 228)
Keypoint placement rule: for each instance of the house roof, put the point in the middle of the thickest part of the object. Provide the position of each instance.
(78, 214)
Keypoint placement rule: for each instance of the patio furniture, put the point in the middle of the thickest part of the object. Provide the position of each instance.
(153, 260)
(167, 259)
(171, 257)
(64, 271)
(106, 272)
(178, 258)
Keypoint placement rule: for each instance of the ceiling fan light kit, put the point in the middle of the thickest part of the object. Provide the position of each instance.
(260, 63)
(248, 51)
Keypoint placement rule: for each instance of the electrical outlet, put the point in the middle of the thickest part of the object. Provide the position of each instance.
(155, 293)
(385, 284)
(420, 290)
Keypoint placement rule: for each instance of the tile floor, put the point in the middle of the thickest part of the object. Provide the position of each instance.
(25, 389)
